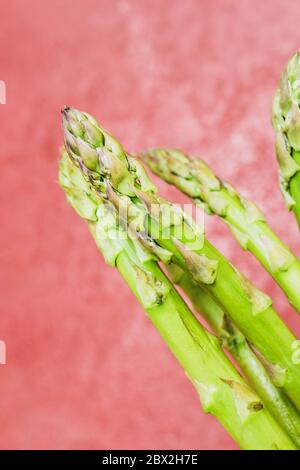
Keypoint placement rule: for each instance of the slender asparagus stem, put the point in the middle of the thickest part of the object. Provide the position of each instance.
(286, 123)
(222, 390)
(161, 225)
(247, 223)
(236, 343)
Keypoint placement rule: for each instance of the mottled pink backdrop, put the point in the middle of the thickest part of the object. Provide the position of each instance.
(85, 368)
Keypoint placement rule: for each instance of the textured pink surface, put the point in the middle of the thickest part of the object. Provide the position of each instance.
(85, 367)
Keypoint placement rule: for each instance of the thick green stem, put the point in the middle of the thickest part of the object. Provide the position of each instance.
(247, 223)
(222, 390)
(171, 234)
(235, 342)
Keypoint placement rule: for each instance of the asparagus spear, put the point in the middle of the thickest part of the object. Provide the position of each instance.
(155, 222)
(236, 343)
(247, 223)
(222, 390)
(286, 123)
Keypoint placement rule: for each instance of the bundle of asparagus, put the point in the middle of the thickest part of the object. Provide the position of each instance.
(136, 231)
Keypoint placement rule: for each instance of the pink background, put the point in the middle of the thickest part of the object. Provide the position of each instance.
(85, 369)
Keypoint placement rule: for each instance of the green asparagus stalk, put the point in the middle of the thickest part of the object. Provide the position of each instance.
(236, 343)
(222, 390)
(246, 221)
(162, 225)
(286, 123)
